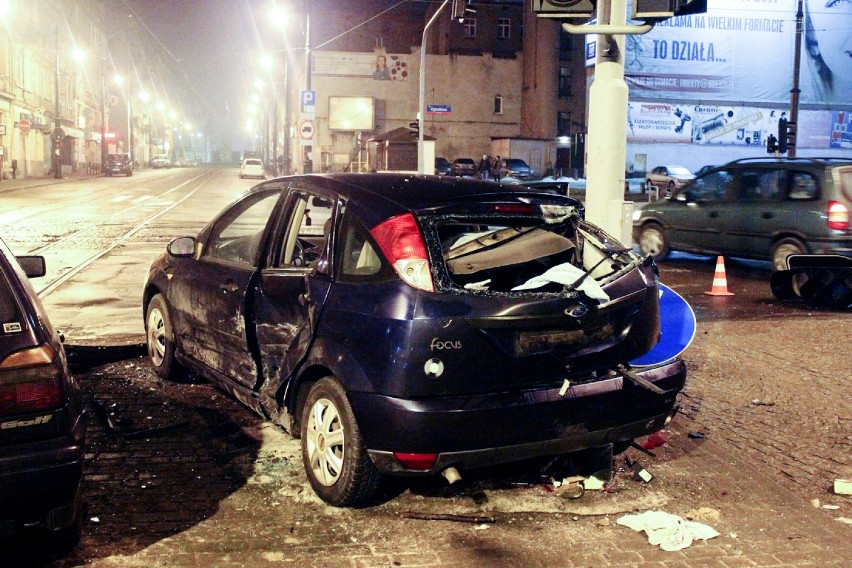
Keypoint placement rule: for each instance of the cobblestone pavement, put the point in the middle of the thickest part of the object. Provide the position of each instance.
(217, 486)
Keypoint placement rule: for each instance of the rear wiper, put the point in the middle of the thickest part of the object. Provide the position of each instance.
(573, 286)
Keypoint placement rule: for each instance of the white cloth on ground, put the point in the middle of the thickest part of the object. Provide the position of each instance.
(668, 531)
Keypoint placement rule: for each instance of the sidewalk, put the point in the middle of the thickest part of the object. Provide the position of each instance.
(25, 183)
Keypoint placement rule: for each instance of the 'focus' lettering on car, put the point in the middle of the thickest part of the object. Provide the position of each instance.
(436, 344)
(21, 423)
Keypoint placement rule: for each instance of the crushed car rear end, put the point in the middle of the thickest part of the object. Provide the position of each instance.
(505, 336)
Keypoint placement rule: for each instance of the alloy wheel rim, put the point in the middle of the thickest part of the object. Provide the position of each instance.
(156, 337)
(325, 441)
(651, 243)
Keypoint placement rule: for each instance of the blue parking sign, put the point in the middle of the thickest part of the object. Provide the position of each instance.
(309, 99)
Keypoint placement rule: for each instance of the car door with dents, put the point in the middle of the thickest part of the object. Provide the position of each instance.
(214, 326)
(294, 283)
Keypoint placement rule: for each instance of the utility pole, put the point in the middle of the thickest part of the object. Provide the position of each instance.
(308, 165)
(57, 159)
(286, 117)
(104, 149)
(421, 112)
(792, 124)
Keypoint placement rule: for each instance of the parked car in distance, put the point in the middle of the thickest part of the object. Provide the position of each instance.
(118, 164)
(252, 167)
(443, 167)
(668, 178)
(704, 169)
(463, 167)
(761, 208)
(516, 168)
(161, 161)
(42, 419)
(361, 338)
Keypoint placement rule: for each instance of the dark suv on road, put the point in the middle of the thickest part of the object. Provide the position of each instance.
(762, 208)
(411, 324)
(118, 164)
(42, 426)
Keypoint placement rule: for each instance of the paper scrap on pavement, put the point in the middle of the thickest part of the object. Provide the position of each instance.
(668, 531)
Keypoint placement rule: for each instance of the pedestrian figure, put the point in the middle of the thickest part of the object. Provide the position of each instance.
(496, 168)
(484, 167)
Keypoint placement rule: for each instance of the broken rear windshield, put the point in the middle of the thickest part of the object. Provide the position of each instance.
(545, 254)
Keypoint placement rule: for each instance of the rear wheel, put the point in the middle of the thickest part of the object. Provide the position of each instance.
(333, 451)
(159, 336)
(652, 241)
(784, 248)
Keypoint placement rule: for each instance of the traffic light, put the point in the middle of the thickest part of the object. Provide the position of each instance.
(782, 135)
(461, 9)
(771, 144)
(415, 129)
(651, 11)
(791, 136)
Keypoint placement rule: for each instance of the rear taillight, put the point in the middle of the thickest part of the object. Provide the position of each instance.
(30, 381)
(838, 216)
(400, 240)
(416, 462)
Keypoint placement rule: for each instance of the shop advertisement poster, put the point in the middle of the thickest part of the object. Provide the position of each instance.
(732, 125)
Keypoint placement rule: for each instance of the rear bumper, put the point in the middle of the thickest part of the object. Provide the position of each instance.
(40, 485)
(481, 430)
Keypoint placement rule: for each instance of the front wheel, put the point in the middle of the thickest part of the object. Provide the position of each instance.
(652, 241)
(784, 248)
(159, 336)
(333, 451)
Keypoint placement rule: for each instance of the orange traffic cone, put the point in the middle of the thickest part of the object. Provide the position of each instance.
(720, 281)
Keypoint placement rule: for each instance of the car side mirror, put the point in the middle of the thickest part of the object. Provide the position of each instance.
(34, 266)
(182, 247)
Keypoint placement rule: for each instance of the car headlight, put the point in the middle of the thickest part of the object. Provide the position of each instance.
(636, 214)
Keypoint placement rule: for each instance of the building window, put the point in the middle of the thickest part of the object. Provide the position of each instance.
(504, 28)
(563, 124)
(564, 81)
(470, 27)
(498, 105)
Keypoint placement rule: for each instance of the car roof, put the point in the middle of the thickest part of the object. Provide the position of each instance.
(378, 196)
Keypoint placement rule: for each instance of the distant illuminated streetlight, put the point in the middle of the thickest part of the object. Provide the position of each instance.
(258, 84)
(4, 9)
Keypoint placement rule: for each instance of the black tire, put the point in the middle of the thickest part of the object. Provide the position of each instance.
(341, 473)
(159, 339)
(653, 242)
(784, 248)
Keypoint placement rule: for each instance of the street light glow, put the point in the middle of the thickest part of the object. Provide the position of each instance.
(118, 80)
(79, 55)
(266, 61)
(258, 84)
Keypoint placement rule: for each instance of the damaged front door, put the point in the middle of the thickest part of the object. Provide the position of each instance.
(223, 277)
(292, 290)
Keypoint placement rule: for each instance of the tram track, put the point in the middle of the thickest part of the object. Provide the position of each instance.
(66, 275)
(98, 223)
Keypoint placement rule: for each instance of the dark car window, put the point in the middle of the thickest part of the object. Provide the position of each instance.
(803, 186)
(359, 256)
(760, 184)
(8, 306)
(711, 187)
(306, 227)
(237, 236)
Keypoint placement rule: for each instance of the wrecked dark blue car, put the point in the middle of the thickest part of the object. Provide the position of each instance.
(405, 325)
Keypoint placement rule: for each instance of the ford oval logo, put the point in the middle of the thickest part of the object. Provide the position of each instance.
(576, 311)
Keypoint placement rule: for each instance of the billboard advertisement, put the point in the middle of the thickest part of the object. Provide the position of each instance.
(705, 124)
(743, 50)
